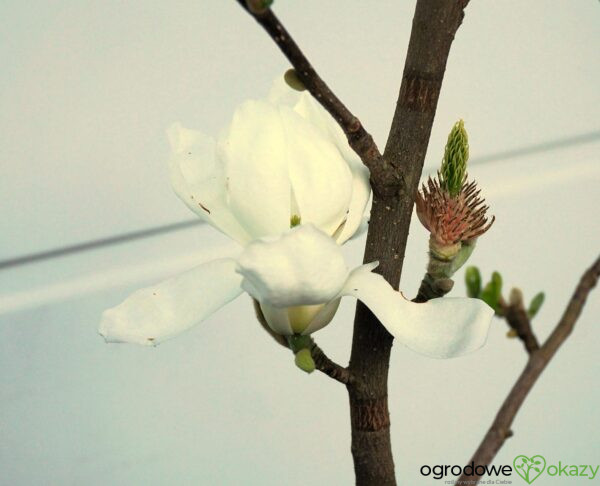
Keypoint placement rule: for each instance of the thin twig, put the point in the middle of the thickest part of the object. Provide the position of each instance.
(358, 138)
(517, 318)
(538, 360)
(322, 362)
(329, 367)
(432, 288)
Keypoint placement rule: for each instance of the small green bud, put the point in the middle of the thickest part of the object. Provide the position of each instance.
(295, 220)
(259, 6)
(293, 81)
(492, 292)
(512, 333)
(454, 165)
(497, 281)
(488, 295)
(536, 304)
(304, 360)
(473, 281)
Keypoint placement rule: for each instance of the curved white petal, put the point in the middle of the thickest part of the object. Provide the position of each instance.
(321, 180)
(302, 267)
(199, 180)
(361, 187)
(308, 108)
(254, 153)
(323, 318)
(440, 328)
(154, 314)
(356, 219)
(277, 318)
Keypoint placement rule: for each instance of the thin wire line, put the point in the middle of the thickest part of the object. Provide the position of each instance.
(539, 148)
(169, 228)
(94, 244)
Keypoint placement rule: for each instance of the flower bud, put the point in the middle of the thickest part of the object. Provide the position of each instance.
(535, 304)
(453, 172)
(258, 7)
(304, 361)
(515, 298)
(473, 282)
(293, 81)
(492, 292)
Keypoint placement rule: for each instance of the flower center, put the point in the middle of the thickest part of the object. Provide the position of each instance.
(302, 315)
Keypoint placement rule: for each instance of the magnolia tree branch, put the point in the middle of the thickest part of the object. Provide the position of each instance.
(435, 24)
(394, 177)
(518, 320)
(358, 138)
(538, 360)
(329, 367)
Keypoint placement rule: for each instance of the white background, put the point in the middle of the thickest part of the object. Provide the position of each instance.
(87, 90)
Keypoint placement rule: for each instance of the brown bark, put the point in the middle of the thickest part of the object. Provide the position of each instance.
(538, 360)
(394, 177)
(358, 138)
(518, 320)
(434, 26)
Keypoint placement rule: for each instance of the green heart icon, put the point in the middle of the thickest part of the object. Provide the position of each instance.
(529, 468)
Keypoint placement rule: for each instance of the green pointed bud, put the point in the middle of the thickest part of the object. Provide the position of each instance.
(293, 81)
(304, 361)
(488, 295)
(536, 304)
(497, 281)
(473, 281)
(454, 166)
(512, 333)
(295, 220)
(259, 6)
(492, 292)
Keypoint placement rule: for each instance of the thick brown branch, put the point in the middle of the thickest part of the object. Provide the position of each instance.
(394, 178)
(358, 138)
(500, 429)
(434, 25)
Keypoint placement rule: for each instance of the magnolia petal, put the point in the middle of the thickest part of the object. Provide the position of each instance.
(255, 155)
(282, 94)
(440, 328)
(324, 317)
(277, 318)
(356, 219)
(361, 186)
(154, 314)
(302, 267)
(321, 180)
(199, 180)
(306, 106)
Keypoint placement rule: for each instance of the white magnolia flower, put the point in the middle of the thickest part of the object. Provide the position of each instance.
(298, 280)
(282, 161)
